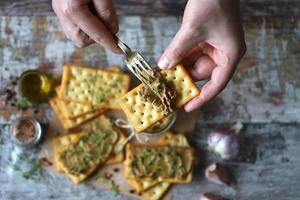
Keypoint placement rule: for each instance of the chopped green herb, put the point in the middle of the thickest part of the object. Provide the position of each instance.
(103, 180)
(115, 189)
(113, 186)
(25, 175)
(93, 79)
(100, 99)
(23, 158)
(112, 121)
(24, 103)
(114, 84)
(120, 79)
(33, 171)
(15, 167)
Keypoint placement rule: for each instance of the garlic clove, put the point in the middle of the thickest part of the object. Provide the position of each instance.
(217, 173)
(237, 127)
(210, 196)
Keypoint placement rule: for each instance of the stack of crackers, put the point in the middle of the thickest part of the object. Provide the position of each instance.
(84, 93)
(155, 188)
(114, 140)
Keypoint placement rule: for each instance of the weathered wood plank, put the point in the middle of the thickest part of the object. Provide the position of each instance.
(282, 8)
(266, 87)
(268, 165)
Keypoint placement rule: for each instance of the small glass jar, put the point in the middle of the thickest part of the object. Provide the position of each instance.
(26, 132)
(35, 86)
(151, 134)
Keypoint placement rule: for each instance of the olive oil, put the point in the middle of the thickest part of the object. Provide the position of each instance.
(35, 86)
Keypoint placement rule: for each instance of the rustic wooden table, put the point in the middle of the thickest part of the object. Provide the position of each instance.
(264, 93)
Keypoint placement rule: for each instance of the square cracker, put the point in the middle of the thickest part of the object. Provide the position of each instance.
(143, 114)
(62, 142)
(167, 138)
(70, 123)
(157, 192)
(102, 123)
(71, 109)
(93, 86)
(187, 154)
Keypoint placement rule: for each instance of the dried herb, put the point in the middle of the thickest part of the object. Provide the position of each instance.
(101, 98)
(115, 189)
(113, 186)
(166, 162)
(112, 122)
(32, 171)
(23, 103)
(15, 167)
(85, 153)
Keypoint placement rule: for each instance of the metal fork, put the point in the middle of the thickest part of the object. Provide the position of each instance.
(142, 70)
(138, 65)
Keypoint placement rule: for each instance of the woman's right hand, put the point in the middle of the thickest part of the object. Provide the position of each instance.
(88, 21)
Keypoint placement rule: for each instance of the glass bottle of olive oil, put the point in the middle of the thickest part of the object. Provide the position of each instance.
(35, 86)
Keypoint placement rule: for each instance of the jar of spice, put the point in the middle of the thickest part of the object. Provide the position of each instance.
(26, 131)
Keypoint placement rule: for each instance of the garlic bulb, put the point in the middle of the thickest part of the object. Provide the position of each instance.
(224, 142)
(218, 174)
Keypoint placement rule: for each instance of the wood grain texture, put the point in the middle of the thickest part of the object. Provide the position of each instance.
(264, 93)
(268, 165)
(266, 87)
(249, 8)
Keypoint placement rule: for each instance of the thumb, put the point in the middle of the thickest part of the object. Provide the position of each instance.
(182, 43)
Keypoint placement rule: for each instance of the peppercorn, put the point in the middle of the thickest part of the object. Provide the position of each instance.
(132, 191)
(116, 169)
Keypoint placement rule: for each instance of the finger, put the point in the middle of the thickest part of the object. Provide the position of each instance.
(106, 11)
(74, 33)
(199, 64)
(183, 42)
(81, 39)
(190, 59)
(220, 76)
(71, 31)
(226, 61)
(202, 69)
(92, 26)
(219, 79)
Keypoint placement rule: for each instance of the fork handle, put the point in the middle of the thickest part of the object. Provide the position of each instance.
(124, 47)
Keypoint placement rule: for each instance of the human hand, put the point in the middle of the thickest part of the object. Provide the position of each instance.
(210, 42)
(88, 21)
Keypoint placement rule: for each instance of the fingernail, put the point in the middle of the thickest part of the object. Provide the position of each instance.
(163, 63)
(188, 108)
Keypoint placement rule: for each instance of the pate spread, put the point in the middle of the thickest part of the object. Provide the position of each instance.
(165, 162)
(87, 152)
(91, 149)
(158, 92)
